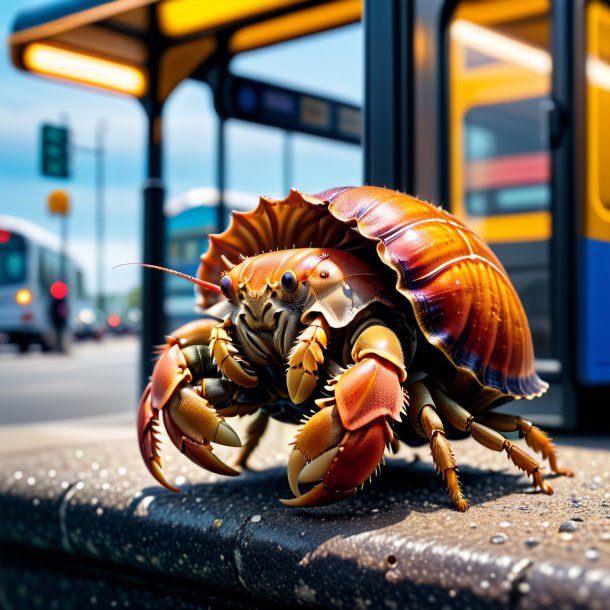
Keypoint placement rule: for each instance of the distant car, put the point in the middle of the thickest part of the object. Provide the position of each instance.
(88, 322)
(133, 320)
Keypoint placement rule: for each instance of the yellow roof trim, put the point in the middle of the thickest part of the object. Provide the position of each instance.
(75, 20)
(294, 25)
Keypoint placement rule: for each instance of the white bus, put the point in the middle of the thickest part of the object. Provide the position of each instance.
(30, 267)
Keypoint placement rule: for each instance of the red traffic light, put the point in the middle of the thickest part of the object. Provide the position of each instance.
(59, 290)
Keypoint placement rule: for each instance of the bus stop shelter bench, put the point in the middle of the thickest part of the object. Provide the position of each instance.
(83, 525)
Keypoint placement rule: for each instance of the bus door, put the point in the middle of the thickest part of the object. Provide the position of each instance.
(500, 72)
(593, 289)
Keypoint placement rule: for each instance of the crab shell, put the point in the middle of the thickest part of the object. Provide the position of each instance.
(461, 296)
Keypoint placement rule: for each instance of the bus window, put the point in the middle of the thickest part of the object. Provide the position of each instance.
(49, 267)
(12, 259)
(507, 167)
(499, 86)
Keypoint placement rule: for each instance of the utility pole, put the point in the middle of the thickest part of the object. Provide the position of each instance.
(58, 203)
(101, 127)
(99, 153)
(221, 212)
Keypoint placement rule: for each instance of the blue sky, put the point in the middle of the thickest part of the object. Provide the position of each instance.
(330, 64)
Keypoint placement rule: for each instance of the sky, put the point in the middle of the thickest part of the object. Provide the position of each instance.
(329, 64)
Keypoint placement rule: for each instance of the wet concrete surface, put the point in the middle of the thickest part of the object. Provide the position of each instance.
(90, 512)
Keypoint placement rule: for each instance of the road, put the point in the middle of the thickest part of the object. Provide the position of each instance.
(95, 379)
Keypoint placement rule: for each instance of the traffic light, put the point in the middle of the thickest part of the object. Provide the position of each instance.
(55, 148)
(59, 304)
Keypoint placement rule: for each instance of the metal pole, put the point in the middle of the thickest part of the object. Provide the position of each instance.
(153, 242)
(63, 275)
(63, 267)
(287, 162)
(100, 129)
(220, 175)
(153, 314)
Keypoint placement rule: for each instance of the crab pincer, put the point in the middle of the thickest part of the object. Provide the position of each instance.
(343, 443)
(191, 423)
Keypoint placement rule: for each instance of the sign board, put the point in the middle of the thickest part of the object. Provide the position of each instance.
(59, 203)
(275, 106)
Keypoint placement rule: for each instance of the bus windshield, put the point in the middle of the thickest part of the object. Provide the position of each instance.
(12, 258)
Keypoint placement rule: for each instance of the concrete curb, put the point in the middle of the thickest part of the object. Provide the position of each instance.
(396, 545)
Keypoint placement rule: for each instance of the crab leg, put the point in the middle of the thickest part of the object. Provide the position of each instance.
(536, 438)
(463, 420)
(192, 426)
(254, 433)
(343, 443)
(426, 421)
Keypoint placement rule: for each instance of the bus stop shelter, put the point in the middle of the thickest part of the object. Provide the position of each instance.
(145, 49)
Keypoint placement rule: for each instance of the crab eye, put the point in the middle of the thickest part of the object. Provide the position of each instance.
(289, 281)
(225, 285)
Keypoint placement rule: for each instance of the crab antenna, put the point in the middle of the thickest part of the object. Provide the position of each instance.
(190, 278)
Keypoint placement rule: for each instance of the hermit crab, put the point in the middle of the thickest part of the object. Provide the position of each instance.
(362, 313)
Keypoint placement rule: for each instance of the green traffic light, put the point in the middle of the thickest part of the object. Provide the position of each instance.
(55, 159)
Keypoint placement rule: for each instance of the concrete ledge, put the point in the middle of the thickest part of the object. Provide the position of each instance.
(397, 544)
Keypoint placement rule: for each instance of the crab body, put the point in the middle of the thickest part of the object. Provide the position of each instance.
(368, 314)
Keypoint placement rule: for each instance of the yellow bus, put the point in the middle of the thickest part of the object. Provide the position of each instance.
(500, 112)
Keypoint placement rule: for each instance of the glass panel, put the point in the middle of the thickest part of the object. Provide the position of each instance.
(12, 259)
(259, 159)
(49, 267)
(500, 69)
(318, 164)
(190, 205)
(329, 64)
(254, 159)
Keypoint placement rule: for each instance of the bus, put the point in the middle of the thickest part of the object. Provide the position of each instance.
(191, 217)
(501, 115)
(30, 267)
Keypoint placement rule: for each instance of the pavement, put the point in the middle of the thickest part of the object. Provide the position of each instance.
(95, 378)
(84, 525)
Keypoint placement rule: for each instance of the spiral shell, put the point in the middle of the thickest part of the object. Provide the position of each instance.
(460, 293)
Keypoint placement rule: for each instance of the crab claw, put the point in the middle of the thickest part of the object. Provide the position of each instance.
(191, 423)
(342, 459)
(343, 443)
(322, 432)
(193, 426)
